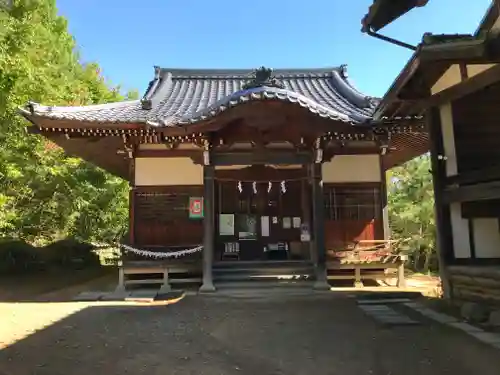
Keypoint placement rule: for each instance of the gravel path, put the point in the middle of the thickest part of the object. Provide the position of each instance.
(217, 335)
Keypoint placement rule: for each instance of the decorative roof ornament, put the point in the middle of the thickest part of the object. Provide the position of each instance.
(263, 77)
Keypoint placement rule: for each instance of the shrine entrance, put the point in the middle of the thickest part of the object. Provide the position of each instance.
(260, 214)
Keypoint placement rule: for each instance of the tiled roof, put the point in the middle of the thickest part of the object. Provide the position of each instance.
(432, 39)
(182, 96)
(383, 12)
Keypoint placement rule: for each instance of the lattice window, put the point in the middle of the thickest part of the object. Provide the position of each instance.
(342, 203)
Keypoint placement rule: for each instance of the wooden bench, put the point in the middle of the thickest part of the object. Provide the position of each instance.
(156, 267)
(367, 255)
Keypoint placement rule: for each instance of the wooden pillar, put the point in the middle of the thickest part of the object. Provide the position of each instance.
(442, 211)
(208, 228)
(386, 228)
(319, 227)
(131, 202)
(401, 283)
(306, 211)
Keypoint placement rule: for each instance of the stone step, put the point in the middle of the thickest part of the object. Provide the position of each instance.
(268, 284)
(266, 271)
(261, 265)
(262, 278)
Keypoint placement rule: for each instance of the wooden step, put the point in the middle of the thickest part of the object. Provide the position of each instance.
(299, 285)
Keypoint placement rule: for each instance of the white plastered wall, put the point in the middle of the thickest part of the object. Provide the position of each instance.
(448, 139)
(486, 237)
(182, 171)
(167, 172)
(460, 232)
(452, 76)
(459, 225)
(352, 168)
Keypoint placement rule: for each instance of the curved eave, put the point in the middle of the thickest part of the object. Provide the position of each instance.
(262, 94)
(127, 112)
(59, 117)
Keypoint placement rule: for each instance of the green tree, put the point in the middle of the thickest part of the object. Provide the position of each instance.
(411, 210)
(45, 195)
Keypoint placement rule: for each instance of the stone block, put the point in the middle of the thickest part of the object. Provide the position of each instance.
(88, 296)
(474, 312)
(494, 319)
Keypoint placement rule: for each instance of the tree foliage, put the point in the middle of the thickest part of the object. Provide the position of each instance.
(44, 195)
(411, 210)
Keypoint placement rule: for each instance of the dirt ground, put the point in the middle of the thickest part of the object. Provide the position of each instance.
(320, 334)
(50, 285)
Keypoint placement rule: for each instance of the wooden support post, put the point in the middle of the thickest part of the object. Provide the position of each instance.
(131, 203)
(401, 283)
(319, 227)
(120, 288)
(165, 287)
(442, 212)
(208, 228)
(358, 282)
(306, 211)
(386, 229)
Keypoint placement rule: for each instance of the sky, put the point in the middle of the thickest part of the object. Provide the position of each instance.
(127, 38)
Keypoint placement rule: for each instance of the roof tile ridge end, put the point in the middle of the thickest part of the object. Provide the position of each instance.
(342, 69)
(152, 87)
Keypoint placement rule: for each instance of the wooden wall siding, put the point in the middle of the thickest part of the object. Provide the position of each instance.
(353, 213)
(341, 233)
(488, 208)
(477, 131)
(162, 216)
(180, 233)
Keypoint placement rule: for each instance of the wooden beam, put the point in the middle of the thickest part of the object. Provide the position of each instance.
(168, 153)
(469, 193)
(490, 18)
(475, 176)
(261, 157)
(443, 217)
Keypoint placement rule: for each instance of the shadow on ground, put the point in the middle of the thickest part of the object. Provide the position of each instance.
(55, 285)
(325, 334)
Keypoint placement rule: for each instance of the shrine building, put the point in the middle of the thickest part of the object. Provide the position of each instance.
(261, 166)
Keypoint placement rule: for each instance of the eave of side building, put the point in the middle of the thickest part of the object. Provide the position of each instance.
(383, 12)
(444, 67)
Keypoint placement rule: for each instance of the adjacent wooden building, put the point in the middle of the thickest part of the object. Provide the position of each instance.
(288, 164)
(454, 82)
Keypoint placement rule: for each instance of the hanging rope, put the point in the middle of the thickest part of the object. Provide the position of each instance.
(160, 254)
(261, 181)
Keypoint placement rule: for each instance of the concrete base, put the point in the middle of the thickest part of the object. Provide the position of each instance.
(321, 285)
(165, 289)
(142, 296)
(120, 288)
(115, 296)
(207, 288)
(89, 296)
(358, 284)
